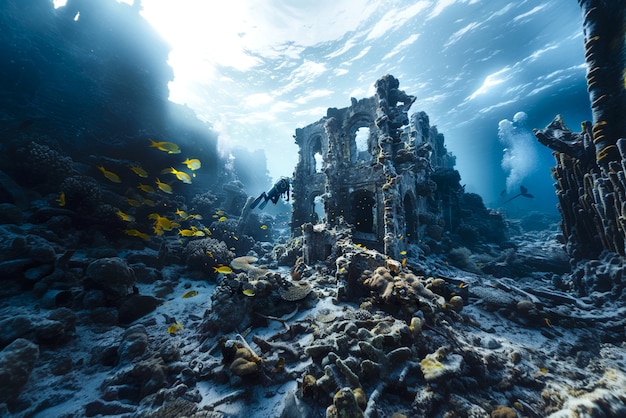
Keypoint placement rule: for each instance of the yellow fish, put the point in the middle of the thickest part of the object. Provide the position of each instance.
(136, 233)
(182, 214)
(206, 230)
(148, 202)
(162, 222)
(174, 327)
(222, 218)
(168, 147)
(180, 175)
(219, 212)
(248, 292)
(192, 164)
(263, 226)
(133, 202)
(222, 269)
(403, 262)
(402, 252)
(146, 188)
(188, 233)
(61, 199)
(139, 171)
(110, 175)
(124, 216)
(190, 294)
(164, 187)
(195, 216)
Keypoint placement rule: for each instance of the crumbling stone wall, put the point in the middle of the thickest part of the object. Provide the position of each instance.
(383, 188)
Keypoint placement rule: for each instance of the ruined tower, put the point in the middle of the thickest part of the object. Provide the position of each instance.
(378, 182)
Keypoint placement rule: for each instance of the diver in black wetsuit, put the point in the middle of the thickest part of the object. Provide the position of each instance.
(281, 187)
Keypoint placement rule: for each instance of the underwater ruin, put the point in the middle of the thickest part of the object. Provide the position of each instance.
(139, 278)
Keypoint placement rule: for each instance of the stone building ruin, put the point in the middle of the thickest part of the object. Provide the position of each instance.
(378, 182)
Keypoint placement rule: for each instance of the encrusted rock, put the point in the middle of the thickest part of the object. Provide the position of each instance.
(134, 307)
(111, 275)
(295, 292)
(134, 343)
(17, 361)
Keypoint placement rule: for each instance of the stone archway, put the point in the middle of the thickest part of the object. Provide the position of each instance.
(315, 153)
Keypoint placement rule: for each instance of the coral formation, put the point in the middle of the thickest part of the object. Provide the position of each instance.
(82, 194)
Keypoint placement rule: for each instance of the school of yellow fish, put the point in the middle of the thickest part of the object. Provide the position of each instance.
(160, 224)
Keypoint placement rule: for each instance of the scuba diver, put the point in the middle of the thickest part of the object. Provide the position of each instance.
(281, 187)
(523, 192)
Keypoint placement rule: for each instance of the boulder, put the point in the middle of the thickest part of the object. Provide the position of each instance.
(17, 361)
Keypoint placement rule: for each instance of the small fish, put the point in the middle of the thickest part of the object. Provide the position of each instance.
(61, 199)
(209, 253)
(146, 188)
(183, 215)
(248, 292)
(180, 175)
(206, 230)
(402, 252)
(543, 370)
(174, 327)
(168, 147)
(219, 212)
(547, 322)
(110, 175)
(222, 269)
(139, 171)
(148, 202)
(191, 233)
(463, 285)
(186, 232)
(190, 294)
(133, 202)
(162, 222)
(404, 262)
(264, 227)
(195, 216)
(222, 218)
(137, 233)
(192, 164)
(124, 216)
(164, 187)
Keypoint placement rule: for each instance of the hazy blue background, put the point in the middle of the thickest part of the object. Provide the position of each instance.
(258, 69)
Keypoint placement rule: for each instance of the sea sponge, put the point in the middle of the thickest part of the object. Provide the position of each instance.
(243, 362)
(456, 303)
(344, 405)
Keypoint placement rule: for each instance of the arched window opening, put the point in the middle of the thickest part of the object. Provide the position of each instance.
(361, 139)
(363, 204)
(318, 209)
(316, 159)
(319, 162)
